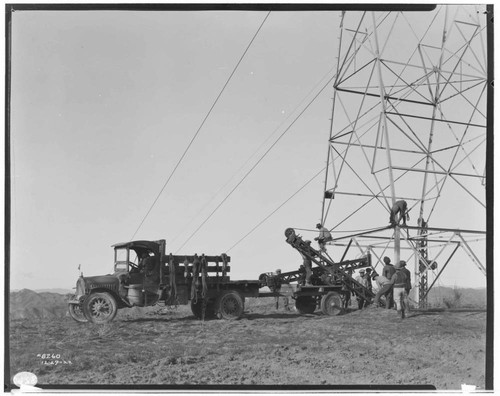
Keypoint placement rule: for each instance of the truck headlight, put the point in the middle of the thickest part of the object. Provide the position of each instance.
(80, 287)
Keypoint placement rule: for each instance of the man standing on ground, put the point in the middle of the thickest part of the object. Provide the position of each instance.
(398, 281)
(384, 288)
(278, 282)
(368, 278)
(388, 272)
(408, 284)
(361, 278)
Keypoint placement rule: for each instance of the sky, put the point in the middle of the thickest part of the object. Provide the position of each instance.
(104, 104)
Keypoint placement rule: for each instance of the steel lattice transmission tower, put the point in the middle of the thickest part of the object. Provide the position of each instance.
(409, 122)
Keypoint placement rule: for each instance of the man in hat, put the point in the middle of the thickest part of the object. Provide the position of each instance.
(400, 208)
(398, 281)
(388, 272)
(307, 263)
(324, 237)
(361, 278)
(384, 289)
(278, 282)
(277, 279)
(408, 284)
(388, 269)
(368, 278)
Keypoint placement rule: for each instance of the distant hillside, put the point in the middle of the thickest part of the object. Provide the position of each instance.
(55, 290)
(58, 291)
(449, 297)
(27, 304)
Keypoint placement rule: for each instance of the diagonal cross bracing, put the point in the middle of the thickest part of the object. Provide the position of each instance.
(407, 120)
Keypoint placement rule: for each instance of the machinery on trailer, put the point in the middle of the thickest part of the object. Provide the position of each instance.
(144, 276)
(331, 284)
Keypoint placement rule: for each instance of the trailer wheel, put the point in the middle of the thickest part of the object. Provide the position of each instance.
(229, 305)
(305, 304)
(331, 304)
(197, 307)
(100, 308)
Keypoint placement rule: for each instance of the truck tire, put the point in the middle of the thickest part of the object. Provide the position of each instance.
(331, 304)
(229, 305)
(305, 304)
(100, 308)
(197, 307)
(76, 312)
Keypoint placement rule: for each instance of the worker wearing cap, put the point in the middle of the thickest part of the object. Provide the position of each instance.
(388, 269)
(143, 257)
(278, 282)
(388, 272)
(277, 279)
(151, 274)
(398, 281)
(361, 278)
(384, 288)
(368, 278)
(380, 280)
(408, 284)
(324, 237)
(307, 263)
(399, 208)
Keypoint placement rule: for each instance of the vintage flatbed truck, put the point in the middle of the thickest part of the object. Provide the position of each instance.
(144, 275)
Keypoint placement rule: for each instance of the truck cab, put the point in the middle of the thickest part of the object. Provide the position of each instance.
(135, 281)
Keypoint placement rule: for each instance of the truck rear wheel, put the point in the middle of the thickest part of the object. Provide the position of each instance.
(197, 309)
(229, 305)
(100, 308)
(331, 304)
(305, 304)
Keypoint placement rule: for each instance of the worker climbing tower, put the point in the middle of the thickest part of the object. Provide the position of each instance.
(408, 123)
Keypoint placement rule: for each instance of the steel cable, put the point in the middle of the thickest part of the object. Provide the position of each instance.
(254, 154)
(275, 210)
(258, 161)
(199, 128)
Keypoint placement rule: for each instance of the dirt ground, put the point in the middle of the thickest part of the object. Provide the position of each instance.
(268, 346)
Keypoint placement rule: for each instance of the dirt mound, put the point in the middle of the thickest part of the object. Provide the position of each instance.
(26, 304)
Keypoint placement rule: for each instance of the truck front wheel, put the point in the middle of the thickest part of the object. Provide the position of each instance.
(229, 305)
(76, 312)
(100, 308)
